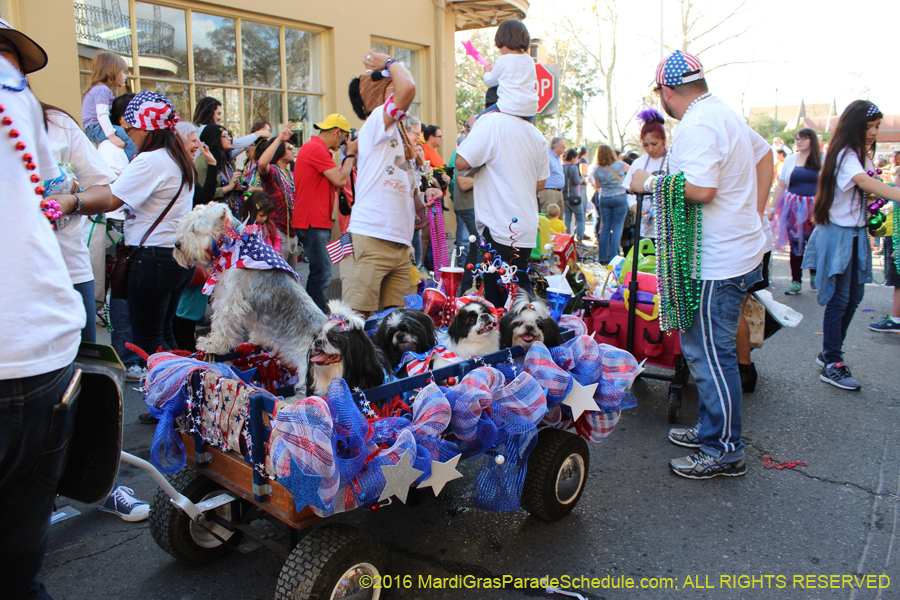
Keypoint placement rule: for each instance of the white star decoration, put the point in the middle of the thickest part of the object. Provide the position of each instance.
(581, 399)
(398, 478)
(441, 474)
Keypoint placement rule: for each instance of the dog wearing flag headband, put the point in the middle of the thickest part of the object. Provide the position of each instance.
(253, 289)
(342, 349)
(473, 331)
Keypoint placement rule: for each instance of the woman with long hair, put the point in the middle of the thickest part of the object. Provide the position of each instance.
(838, 248)
(277, 180)
(218, 140)
(158, 189)
(209, 111)
(795, 196)
(608, 175)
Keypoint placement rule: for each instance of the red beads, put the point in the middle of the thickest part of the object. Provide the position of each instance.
(35, 178)
(39, 190)
(470, 266)
(31, 166)
(27, 157)
(487, 256)
(13, 133)
(375, 507)
(7, 121)
(501, 271)
(20, 146)
(451, 381)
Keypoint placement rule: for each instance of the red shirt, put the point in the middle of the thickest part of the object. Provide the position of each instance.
(313, 192)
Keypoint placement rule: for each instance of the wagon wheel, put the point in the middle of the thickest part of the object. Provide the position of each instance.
(335, 562)
(673, 404)
(557, 471)
(174, 532)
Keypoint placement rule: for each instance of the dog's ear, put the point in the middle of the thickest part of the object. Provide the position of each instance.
(428, 338)
(364, 364)
(551, 331)
(506, 330)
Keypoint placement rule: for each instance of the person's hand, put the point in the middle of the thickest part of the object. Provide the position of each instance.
(445, 178)
(67, 202)
(430, 195)
(210, 159)
(235, 181)
(488, 68)
(374, 61)
(118, 143)
(352, 146)
(286, 133)
(264, 132)
(770, 213)
(637, 181)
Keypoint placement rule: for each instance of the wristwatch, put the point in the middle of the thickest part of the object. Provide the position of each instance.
(346, 156)
(78, 204)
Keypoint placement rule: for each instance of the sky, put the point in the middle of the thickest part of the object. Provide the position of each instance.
(820, 51)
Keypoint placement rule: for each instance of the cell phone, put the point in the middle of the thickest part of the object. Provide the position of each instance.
(353, 133)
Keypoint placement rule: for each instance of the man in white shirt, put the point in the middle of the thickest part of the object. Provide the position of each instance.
(514, 159)
(382, 222)
(728, 170)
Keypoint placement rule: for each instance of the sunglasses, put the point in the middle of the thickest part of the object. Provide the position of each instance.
(657, 89)
(289, 148)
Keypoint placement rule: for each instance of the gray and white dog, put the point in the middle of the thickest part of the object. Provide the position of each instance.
(270, 305)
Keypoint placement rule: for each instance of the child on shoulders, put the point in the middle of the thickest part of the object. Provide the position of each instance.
(107, 75)
(513, 73)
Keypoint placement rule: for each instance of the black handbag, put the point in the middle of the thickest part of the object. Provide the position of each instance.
(344, 206)
(118, 273)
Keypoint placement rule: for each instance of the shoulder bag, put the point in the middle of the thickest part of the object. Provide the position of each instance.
(118, 274)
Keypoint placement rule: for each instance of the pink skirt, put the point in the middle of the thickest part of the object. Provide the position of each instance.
(793, 224)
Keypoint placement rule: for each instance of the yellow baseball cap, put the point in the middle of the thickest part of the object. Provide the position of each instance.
(332, 121)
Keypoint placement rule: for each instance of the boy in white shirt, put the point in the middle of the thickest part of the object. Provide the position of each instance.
(513, 72)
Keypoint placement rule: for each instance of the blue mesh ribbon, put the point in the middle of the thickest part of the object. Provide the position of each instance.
(348, 440)
(612, 369)
(499, 487)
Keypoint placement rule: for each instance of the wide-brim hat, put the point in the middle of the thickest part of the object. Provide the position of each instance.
(33, 56)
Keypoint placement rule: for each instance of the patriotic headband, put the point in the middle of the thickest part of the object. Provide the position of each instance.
(460, 302)
(151, 111)
(873, 110)
(679, 67)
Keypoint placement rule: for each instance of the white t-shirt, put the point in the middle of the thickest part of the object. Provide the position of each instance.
(384, 206)
(654, 166)
(517, 81)
(147, 185)
(715, 148)
(68, 144)
(116, 160)
(846, 209)
(515, 157)
(41, 314)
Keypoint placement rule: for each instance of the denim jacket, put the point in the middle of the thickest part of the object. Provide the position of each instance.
(829, 250)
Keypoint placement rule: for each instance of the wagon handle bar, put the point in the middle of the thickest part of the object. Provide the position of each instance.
(183, 503)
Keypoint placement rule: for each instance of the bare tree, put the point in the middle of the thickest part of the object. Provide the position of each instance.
(696, 31)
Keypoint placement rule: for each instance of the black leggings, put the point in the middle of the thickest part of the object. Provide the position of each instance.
(796, 271)
(492, 291)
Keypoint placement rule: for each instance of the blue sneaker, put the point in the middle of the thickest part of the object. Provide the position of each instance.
(838, 375)
(887, 324)
(122, 502)
(701, 465)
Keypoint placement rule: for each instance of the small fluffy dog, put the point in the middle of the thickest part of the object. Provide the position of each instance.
(528, 321)
(342, 349)
(473, 331)
(404, 330)
(271, 305)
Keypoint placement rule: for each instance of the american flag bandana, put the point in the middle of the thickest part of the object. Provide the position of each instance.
(416, 364)
(247, 252)
(679, 67)
(339, 248)
(151, 111)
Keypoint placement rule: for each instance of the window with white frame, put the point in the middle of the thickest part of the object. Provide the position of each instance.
(411, 56)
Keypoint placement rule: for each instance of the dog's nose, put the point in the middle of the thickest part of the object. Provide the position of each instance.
(178, 245)
(529, 329)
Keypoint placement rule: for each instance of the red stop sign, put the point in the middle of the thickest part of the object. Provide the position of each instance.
(544, 86)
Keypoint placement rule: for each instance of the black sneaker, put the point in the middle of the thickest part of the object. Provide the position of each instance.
(820, 359)
(838, 375)
(701, 465)
(685, 437)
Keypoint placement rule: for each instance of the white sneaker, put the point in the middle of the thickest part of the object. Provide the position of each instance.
(123, 503)
(135, 373)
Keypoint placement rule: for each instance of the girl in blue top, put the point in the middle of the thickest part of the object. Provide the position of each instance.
(108, 74)
(608, 175)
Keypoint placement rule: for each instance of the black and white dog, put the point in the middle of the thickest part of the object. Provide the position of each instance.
(342, 349)
(528, 321)
(404, 330)
(473, 331)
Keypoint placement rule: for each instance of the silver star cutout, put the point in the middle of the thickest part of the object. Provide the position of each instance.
(581, 399)
(398, 478)
(441, 474)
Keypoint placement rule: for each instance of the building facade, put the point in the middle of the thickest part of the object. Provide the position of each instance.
(279, 61)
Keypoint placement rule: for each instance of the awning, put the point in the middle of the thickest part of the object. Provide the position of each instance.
(478, 14)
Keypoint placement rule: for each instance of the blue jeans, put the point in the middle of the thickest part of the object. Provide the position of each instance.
(95, 134)
(848, 293)
(609, 233)
(155, 285)
(465, 227)
(578, 212)
(314, 241)
(89, 331)
(710, 350)
(34, 433)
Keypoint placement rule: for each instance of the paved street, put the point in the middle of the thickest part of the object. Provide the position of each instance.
(837, 516)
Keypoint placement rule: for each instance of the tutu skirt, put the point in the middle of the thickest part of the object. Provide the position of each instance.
(793, 225)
